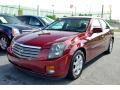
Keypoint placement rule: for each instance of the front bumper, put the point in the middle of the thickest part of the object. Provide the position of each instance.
(56, 68)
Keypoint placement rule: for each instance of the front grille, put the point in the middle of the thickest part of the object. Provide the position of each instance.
(25, 51)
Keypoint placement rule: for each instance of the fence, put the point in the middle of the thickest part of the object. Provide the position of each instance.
(14, 10)
(19, 10)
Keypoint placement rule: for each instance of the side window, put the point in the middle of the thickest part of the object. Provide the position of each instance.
(96, 23)
(3, 20)
(25, 20)
(0, 22)
(35, 22)
(104, 25)
(58, 25)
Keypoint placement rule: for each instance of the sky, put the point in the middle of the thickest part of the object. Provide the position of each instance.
(64, 5)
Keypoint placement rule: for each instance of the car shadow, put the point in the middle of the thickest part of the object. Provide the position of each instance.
(94, 60)
(2, 53)
(12, 76)
(9, 75)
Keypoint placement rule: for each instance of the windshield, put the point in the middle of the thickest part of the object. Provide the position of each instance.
(74, 25)
(9, 20)
(47, 20)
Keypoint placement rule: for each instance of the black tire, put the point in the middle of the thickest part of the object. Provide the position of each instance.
(6, 40)
(110, 47)
(71, 74)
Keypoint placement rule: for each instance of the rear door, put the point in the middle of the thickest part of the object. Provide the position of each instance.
(106, 33)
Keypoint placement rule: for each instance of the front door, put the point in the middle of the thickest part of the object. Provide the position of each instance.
(95, 44)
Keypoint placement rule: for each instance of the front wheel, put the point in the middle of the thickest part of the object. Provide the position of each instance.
(76, 65)
(4, 42)
(109, 50)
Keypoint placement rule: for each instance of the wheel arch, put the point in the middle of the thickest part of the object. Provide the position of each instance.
(69, 69)
(113, 39)
(83, 50)
(3, 33)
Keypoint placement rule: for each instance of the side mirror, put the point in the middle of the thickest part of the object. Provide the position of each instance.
(97, 30)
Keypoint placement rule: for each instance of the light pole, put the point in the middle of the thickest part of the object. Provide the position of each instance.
(53, 9)
(75, 10)
(71, 6)
(38, 10)
(102, 12)
(110, 7)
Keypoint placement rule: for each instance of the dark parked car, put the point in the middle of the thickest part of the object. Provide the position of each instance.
(36, 21)
(10, 26)
(63, 47)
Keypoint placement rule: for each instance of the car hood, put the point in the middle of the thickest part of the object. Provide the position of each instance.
(45, 37)
(21, 27)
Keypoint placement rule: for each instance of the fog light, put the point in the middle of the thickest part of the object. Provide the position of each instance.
(50, 69)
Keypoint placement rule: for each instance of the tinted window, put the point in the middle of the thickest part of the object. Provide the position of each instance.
(24, 19)
(35, 22)
(57, 25)
(9, 20)
(3, 20)
(75, 25)
(47, 20)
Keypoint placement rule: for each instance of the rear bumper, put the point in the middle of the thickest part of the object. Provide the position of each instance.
(41, 67)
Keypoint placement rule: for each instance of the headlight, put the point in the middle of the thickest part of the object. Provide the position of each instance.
(56, 50)
(15, 32)
(12, 43)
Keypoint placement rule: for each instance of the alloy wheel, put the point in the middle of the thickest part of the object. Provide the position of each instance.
(77, 65)
(110, 46)
(3, 43)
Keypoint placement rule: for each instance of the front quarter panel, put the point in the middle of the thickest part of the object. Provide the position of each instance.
(6, 31)
(76, 44)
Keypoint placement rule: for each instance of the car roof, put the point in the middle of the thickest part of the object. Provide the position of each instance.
(30, 16)
(78, 17)
(5, 15)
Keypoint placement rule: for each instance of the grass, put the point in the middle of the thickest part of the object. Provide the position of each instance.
(117, 30)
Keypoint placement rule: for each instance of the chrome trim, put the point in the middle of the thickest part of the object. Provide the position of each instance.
(27, 46)
(25, 31)
(25, 51)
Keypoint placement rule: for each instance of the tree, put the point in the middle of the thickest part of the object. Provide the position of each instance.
(20, 11)
(52, 17)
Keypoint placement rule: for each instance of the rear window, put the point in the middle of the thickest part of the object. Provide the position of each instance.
(9, 20)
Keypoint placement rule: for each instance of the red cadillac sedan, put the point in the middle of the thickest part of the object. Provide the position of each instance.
(63, 48)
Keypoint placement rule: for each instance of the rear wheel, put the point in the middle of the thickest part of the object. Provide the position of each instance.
(4, 42)
(76, 65)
